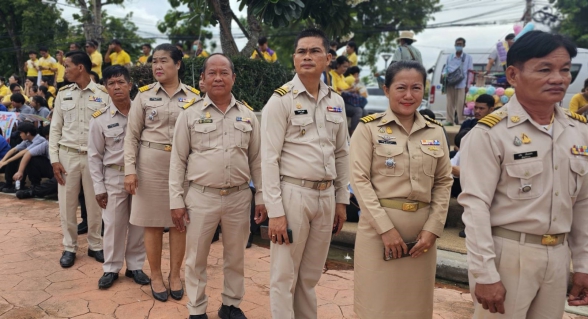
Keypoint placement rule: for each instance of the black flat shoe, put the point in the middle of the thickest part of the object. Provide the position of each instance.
(230, 312)
(67, 259)
(161, 296)
(82, 228)
(138, 276)
(97, 254)
(204, 316)
(107, 280)
(176, 294)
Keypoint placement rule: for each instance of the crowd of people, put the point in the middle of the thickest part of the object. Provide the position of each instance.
(183, 159)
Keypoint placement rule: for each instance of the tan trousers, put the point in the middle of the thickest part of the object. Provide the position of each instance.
(78, 175)
(535, 278)
(117, 229)
(455, 102)
(206, 210)
(297, 268)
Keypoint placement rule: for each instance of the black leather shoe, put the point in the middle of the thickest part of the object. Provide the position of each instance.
(176, 294)
(9, 190)
(166, 229)
(67, 259)
(462, 234)
(138, 276)
(24, 194)
(82, 228)
(249, 241)
(230, 312)
(107, 280)
(204, 316)
(161, 296)
(97, 254)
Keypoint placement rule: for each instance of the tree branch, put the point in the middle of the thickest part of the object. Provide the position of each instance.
(241, 26)
(255, 28)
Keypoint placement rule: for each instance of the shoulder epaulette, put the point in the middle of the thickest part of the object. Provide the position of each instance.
(101, 88)
(193, 90)
(99, 112)
(334, 91)
(372, 117)
(432, 120)
(246, 105)
(146, 87)
(575, 116)
(282, 90)
(190, 103)
(493, 118)
(65, 87)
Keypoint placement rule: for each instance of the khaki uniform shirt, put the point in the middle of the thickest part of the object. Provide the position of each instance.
(153, 117)
(539, 187)
(388, 162)
(303, 138)
(72, 111)
(105, 145)
(215, 149)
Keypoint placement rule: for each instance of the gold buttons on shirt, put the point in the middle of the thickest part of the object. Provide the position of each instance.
(556, 167)
(556, 193)
(526, 174)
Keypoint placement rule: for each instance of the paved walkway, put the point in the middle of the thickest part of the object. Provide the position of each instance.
(33, 285)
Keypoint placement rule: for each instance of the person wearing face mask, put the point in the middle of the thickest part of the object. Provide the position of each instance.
(198, 50)
(455, 75)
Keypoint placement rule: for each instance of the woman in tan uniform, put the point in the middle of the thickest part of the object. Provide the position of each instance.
(401, 176)
(148, 142)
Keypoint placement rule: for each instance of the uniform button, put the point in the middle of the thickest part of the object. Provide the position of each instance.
(582, 171)
(526, 173)
(227, 166)
(554, 218)
(322, 145)
(556, 193)
(556, 167)
(414, 178)
(226, 150)
(225, 133)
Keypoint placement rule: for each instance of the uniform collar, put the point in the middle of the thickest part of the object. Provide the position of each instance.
(91, 86)
(208, 102)
(517, 113)
(112, 109)
(181, 87)
(419, 121)
(298, 87)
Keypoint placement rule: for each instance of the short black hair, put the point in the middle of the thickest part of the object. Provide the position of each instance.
(395, 68)
(27, 127)
(76, 44)
(352, 70)
(45, 79)
(175, 54)
(91, 43)
(460, 135)
(146, 45)
(3, 79)
(13, 85)
(428, 113)
(585, 82)
(509, 36)
(487, 99)
(262, 40)
(45, 131)
(17, 97)
(353, 45)
(43, 48)
(334, 44)
(115, 41)
(315, 33)
(32, 52)
(79, 57)
(16, 77)
(333, 53)
(461, 39)
(341, 60)
(538, 44)
(115, 71)
(179, 44)
(39, 100)
(95, 76)
(45, 91)
(221, 54)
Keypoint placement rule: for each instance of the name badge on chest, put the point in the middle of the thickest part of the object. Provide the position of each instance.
(300, 112)
(154, 99)
(113, 125)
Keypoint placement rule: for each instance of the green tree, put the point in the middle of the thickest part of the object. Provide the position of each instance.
(575, 22)
(91, 17)
(26, 25)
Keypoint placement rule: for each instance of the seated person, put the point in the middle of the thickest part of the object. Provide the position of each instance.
(484, 106)
(12, 159)
(19, 106)
(45, 82)
(579, 102)
(14, 88)
(39, 105)
(36, 164)
(456, 187)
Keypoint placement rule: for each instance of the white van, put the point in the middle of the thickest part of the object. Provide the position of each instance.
(438, 101)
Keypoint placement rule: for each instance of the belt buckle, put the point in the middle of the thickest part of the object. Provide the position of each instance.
(321, 186)
(410, 207)
(167, 148)
(549, 240)
(224, 192)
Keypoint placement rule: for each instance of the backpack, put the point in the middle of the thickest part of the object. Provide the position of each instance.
(455, 77)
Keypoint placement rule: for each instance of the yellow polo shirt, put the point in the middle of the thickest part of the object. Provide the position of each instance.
(49, 62)
(60, 72)
(4, 90)
(203, 54)
(339, 83)
(96, 58)
(266, 56)
(120, 58)
(6, 98)
(32, 70)
(143, 59)
(577, 102)
(352, 59)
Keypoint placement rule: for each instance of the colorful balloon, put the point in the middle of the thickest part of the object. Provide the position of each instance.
(504, 99)
(496, 99)
(490, 90)
(469, 97)
(468, 112)
(481, 91)
(500, 91)
(517, 29)
(473, 90)
(470, 105)
(509, 92)
(529, 27)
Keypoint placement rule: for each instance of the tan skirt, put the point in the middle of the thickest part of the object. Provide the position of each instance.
(398, 288)
(150, 207)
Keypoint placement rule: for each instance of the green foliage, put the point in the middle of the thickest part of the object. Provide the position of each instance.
(575, 23)
(255, 83)
(277, 13)
(184, 27)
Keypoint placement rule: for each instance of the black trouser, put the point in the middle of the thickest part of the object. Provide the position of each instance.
(11, 169)
(455, 188)
(48, 187)
(38, 168)
(355, 114)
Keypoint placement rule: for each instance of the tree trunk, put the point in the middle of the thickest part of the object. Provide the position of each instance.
(254, 33)
(222, 11)
(10, 25)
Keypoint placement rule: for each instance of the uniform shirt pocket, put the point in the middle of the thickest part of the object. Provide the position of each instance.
(205, 134)
(430, 157)
(578, 170)
(242, 134)
(94, 106)
(526, 181)
(302, 129)
(114, 138)
(69, 111)
(333, 123)
(389, 160)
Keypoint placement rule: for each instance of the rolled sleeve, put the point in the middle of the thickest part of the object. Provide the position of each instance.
(179, 161)
(135, 127)
(478, 188)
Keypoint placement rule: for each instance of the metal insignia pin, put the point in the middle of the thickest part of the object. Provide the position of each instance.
(526, 139)
(389, 130)
(303, 132)
(515, 119)
(390, 163)
(298, 105)
(517, 141)
(207, 115)
(381, 130)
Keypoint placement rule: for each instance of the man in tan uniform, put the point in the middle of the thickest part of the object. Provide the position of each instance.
(525, 190)
(216, 147)
(68, 145)
(305, 166)
(122, 241)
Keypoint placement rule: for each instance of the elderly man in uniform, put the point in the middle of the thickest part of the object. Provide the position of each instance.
(216, 147)
(304, 152)
(68, 149)
(526, 209)
(122, 241)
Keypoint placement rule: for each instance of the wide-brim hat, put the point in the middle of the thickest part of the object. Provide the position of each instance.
(406, 35)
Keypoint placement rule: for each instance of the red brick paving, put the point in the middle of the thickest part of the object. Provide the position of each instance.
(33, 285)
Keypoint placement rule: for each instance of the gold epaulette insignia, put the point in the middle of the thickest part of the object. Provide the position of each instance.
(190, 103)
(247, 105)
(493, 118)
(428, 118)
(102, 88)
(65, 87)
(99, 112)
(575, 116)
(145, 88)
(193, 90)
(372, 117)
(282, 90)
